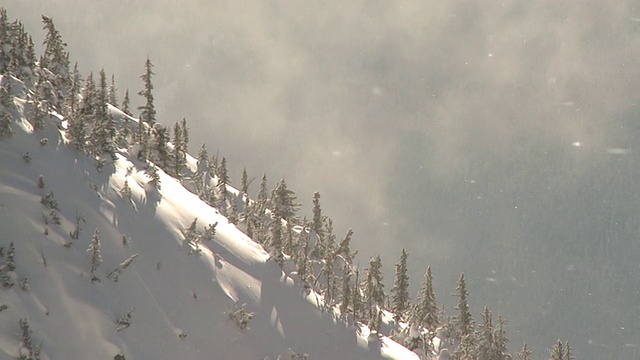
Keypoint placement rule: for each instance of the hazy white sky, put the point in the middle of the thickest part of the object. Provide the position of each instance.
(440, 126)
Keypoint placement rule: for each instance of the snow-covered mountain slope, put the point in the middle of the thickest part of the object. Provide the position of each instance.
(181, 298)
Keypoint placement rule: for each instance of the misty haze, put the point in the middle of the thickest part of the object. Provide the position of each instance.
(500, 139)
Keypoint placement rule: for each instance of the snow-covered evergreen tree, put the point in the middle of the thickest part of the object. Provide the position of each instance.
(179, 156)
(112, 96)
(5, 41)
(524, 353)
(95, 254)
(11, 254)
(486, 343)
(568, 355)
(426, 307)
(373, 287)
(316, 224)
(152, 172)
(557, 352)
(55, 59)
(5, 124)
(147, 110)
(115, 273)
(464, 324)
(126, 102)
(104, 131)
(160, 140)
(501, 340)
(223, 181)
(400, 291)
(244, 183)
(283, 202)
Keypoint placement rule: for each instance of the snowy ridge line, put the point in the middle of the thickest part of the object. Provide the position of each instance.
(173, 299)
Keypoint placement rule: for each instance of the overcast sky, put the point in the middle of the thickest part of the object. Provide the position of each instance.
(460, 130)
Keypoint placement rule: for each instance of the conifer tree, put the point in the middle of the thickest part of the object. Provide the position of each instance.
(25, 335)
(316, 224)
(276, 241)
(400, 290)
(11, 261)
(126, 103)
(486, 343)
(89, 98)
(55, 58)
(262, 197)
(344, 252)
(161, 138)
(426, 307)
(328, 263)
(147, 111)
(244, 182)
(70, 108)
(223, 181)
(112, 97)
(525, 353)
(283, 202)
(500, 338)
(152, 172)
(179, 154)
(567, 352)
(463, 322)
(357, 301)
(203, 159)
(373, 287)
(5, 41)
(303, 261)
(557, 352)
(104, 131)
(185, 136)
(345, 292)
(5, 124)
(233, 210)
(94, 250)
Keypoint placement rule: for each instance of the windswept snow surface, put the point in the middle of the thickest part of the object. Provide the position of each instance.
(180, 298)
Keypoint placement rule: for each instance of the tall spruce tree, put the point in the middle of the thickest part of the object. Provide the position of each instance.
(112, 97)
(5, 124)
(283, 202)
(104, 131)
(5, 41)
(463, 322)
(244, 182)
(262, 197)
(316, 224)
(55, 59)
(185, 135)
(400, 291)
(126, 102)
(179, 155)
(373, 287)
(426, 306)
(147, 110)
(161, 138)
(486, 343)
(500, 338)
(223, 181)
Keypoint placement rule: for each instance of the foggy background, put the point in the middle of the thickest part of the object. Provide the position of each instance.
(498, 139)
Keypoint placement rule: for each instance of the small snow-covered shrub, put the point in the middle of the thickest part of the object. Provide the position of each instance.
(241, 316)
